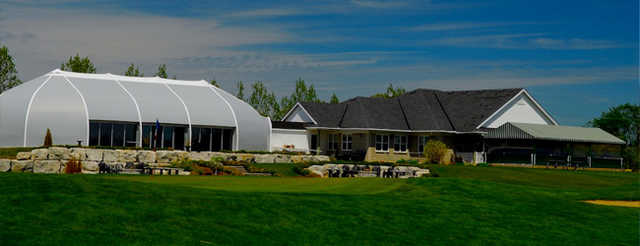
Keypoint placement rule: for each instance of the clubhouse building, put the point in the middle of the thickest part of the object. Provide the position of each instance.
(109, 110)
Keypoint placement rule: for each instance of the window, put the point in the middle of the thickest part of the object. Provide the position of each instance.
(347, 141)
(333, 141)
(118, 135)
(422, 141)
(382, 143)
(216, 139)
(105, 134)
(131, 135)
(227, 139)
(167, 137)
(94, 134)
(147, 136)
(400, 143)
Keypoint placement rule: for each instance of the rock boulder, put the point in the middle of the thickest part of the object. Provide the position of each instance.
(47, 166)
(5, 165)
(22, 166)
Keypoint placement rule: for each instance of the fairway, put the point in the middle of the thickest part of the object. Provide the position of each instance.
(466, 205)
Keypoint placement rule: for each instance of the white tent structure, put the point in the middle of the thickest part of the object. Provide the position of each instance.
(112, 110)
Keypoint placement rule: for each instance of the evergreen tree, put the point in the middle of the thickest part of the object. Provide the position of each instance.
(133, 71)
(8, 72)
(162, 71)
(78, 64)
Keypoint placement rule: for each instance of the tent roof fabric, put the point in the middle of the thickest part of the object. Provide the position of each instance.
(514, 130)
(67, 101)
(418, 110)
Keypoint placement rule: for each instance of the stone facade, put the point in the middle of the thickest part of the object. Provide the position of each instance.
(53, 160)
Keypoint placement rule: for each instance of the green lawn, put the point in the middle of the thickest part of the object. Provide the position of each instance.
(465, 206)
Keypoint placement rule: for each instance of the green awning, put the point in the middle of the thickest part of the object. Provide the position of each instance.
(512, 130)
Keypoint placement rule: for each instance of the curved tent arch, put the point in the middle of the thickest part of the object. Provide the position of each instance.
(89, 98)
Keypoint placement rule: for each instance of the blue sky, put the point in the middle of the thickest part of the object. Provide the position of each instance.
(577, 58)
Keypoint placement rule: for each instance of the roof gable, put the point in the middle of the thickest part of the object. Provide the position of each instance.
(467, 109)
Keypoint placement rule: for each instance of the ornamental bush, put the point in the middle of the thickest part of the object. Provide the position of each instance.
(434, 151)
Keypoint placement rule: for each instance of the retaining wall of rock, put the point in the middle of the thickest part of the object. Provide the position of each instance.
(53, 160)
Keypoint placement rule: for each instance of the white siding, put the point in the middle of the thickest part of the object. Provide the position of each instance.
(298, 115)
(521, 110)
(281, 137)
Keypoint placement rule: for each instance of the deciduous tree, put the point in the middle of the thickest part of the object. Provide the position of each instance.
(8, 72)
(334, 99)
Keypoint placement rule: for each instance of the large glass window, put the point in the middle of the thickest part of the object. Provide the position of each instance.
(147, 136)
(94, 134)
(118, 135)
(216, 139)
(422, 141)
(400, 143)
(347, 142)
(333, 141)
(167, 137)
(227, 139)
(382, 143)
(105, 134)
(131, 135)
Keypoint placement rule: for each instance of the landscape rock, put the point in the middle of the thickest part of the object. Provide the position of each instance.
(200, 156)
(110, 156)
(127, 156)
(320, 158)
(170, 156)
(40, 154)
(23, 156)
(59, 153)
(5, 165)
(146, 156)
(22, 166)
(264, 158)
(282, 159)
(46, 166)
(90, 167)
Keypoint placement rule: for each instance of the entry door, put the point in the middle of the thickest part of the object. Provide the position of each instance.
(178, 138)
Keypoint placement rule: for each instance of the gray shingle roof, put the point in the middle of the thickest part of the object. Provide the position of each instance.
(514, 130)
(421, 109)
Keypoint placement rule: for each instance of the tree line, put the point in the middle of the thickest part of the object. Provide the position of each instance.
(259, 96)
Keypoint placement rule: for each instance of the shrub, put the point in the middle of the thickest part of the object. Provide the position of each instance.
(482, 164)
(48, 140)
(301, 169)
(232, 171)
(73, 166)
(434, 151)
(198, 170)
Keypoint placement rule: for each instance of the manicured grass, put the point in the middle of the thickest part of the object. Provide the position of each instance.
(10, 153)
(465, 206)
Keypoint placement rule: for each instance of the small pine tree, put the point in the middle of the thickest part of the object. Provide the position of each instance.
(48, 140)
